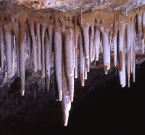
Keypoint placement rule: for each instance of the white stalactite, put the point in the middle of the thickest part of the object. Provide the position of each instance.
(85, 71)
(128, 52)
(134, 63)
(50, 33)
(97, 43)
(22, 59)
(13, 54)
(76, 52)
(2, 47)
(106, 51)
(133, 36)
(86, 45)
(15, 30)
(66, 101)
(7, 31)
(69, 64)
(142, 46)
(122, 72)
(91, 43)
(48, 51)
(115, 48)
(139, 22)
(76, 62)
(143, 21)
(82, 61)
(43, 49)
(48, 56)
(39, 45)
(34, 45)
(58, 59)
(133, 51)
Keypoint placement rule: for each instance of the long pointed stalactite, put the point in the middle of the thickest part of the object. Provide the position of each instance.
(58, 58)
(34, 46)
(39, 45)
(69, 64)
(2, 47)
(22, 53)
(8, 43)
(122, 55)
(65, 45)
(106, 50)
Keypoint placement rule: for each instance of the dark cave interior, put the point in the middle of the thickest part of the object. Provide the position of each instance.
(100, 107)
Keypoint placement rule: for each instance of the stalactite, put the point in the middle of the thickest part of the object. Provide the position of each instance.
(2, 47)
(97, 43)
(7, 31)
(143, 26)
(133, 36)
(82, 61)
(48, 51)
(81, 16)
(76, 62)
(48, 55)
(86, 44)
(115, 43)
(128, 51)
(34, 45)
(134, 63)
(76, 51)
(139, 22)
(106, 51)
(15, 30)
(133, 51)
(111, 41)
(91, 43)
(122, 72)
(115, 48)
(43, 49)
(142, 46)
(66, 101)
(94, 51)
(13, 53)
(69, 54)
(50, 32)
(39, 45)
(28, 48)
(85, 71)
(58, 59)
(22, 51)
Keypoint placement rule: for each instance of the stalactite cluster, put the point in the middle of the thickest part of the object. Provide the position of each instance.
(67, 44)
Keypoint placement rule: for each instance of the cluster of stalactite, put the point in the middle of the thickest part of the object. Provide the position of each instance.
(67, 46)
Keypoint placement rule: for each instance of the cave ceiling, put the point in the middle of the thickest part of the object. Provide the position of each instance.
(70, 5)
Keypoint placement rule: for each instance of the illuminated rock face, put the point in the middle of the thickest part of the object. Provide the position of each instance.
(70, 5)
(66, 43)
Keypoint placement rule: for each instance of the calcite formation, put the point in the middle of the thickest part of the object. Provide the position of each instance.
(48, 41)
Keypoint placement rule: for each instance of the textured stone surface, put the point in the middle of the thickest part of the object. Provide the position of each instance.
(66, 5)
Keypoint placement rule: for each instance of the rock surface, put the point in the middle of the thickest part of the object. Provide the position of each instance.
(67, 5)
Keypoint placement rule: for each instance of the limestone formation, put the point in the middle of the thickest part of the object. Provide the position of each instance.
(66, 43)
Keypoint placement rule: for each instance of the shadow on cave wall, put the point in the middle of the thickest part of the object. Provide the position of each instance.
(102, 106)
